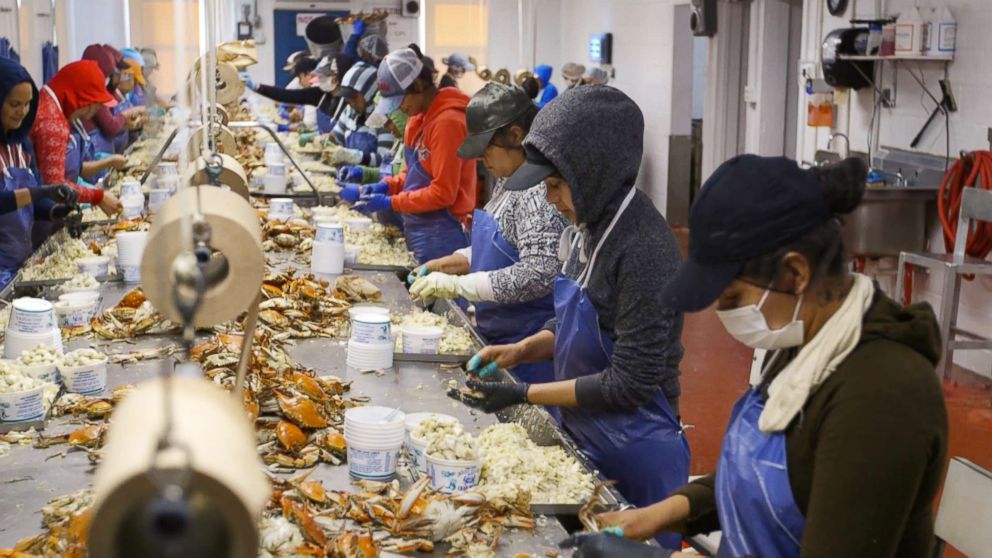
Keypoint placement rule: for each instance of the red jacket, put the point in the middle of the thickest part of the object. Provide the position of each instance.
(436, 135)
(77, 85)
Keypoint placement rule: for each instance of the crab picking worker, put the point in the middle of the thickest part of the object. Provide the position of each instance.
(357, 143)
(391, 165)
(457, 65)
(509, 270)
(76, 93)
(840, 450)
(615, 347)
(435, 195)
(22, 197)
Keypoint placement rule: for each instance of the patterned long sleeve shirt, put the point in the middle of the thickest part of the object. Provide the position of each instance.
(533, 227)
(50, 137)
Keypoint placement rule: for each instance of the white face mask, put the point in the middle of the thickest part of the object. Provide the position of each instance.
(748, 325)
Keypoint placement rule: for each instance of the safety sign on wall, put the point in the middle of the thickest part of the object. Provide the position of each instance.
(301, 23)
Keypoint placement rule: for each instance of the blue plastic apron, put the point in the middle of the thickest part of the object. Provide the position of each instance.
(758, 514)
(643, 449)
(432, 234)
(137, 96)
(363, 140)
(15, 227)
(499, 323)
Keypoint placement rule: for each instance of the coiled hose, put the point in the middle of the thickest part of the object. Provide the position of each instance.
(972, 170)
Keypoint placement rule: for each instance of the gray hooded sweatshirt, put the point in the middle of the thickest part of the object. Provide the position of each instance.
(594, 136)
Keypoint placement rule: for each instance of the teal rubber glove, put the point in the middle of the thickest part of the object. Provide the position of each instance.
(417, 273)
(473, 367)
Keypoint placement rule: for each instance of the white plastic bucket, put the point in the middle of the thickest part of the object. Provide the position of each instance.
(156, 198)
(453, 476)
(97, 266)
(130, 188)
(276, 169)
(367, 309)
(280, 209)
(416, 446)
(133, 206)
(16, 342)
(422, 340)
(365, 356)
(73, 314)
(372, 463)
(376, 416)
(87, 380)
(332, 232)
(91, 297)
(130, 248)
(359, 224)
(22, 406)
(273, 154)
(168, 182)
(327, 258)
(274, 184)
(167, 168)
(31, 316)
(371, 329)
(44, 372)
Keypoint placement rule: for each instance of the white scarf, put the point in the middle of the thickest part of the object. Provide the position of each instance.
(818, 359)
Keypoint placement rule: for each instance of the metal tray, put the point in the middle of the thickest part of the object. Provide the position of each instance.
(437, 359)
(379, 267)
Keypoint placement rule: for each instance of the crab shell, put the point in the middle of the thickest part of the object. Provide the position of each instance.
(290, 436)
(300, 410)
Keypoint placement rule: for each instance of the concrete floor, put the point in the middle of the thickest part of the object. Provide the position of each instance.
(715, 372)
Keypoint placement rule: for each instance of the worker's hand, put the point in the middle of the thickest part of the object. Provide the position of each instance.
(60, 193)
(607, 545)
(110, 204)
(493, 357)
(350, 192)
(374, 204)
(350, 174)
(307, 137)
(443, 285)
(377, 188)
(358, 26)
(636, 523)
(295, 115)
(116, 161)
(337, 155)
(59, 211)
(417, 273)
(496, 396)
(250, 84)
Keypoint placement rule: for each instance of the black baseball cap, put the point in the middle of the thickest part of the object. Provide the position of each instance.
(493, 107)
(304, 65)
(748, 207)
(536, 168)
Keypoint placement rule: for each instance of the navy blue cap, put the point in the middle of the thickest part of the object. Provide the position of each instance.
(536, 168)
(748, 207)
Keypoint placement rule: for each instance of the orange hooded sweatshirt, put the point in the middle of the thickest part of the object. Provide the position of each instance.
(436, 135)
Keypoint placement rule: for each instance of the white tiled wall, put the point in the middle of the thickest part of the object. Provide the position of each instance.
(971, 80)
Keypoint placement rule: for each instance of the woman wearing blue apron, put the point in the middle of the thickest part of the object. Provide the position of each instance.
(435, 196)
(509, 271)
(840, 448)
(615, 350)
(22, 199)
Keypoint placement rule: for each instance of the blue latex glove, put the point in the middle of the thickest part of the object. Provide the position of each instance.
(358, 27)
(251, 85)
(282, 128)
(374, 203)
(417, 273)
(377, 188)
(351, 193)
(350, 174)
(473, 367)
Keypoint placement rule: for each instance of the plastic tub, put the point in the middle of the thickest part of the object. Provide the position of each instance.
(31, 316)
(22, 406)
(95, 290)
(416, 449)
(97, 266)
(417, 446)
(43, 372)
(372, 463)
(157, 197)
(73, 314)
(422, 340)
(133, 206)
(453, 476)
(92, 297)
(367, 309)
(327, 257)
(351, 254)
(376, 415)
(274, 184)
(16, 342)
(329, 232)
(130, 249)
(366, 440)
(359, 224)
(167, 168)
(371, 329)
(87, 379)
(130, 188)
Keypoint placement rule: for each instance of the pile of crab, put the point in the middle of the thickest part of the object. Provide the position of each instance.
(304, 518)
(294, 235)
(300, 307)
(134, 315)
(297, 414)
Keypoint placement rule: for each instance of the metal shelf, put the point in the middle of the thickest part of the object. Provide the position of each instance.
(897, 57)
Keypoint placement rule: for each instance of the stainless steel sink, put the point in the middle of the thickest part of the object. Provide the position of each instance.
(889, 220)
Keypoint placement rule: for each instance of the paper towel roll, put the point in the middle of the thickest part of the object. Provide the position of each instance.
(235, 233)
(224, 142)
(232, 175)
(227, 489)
(228, 83)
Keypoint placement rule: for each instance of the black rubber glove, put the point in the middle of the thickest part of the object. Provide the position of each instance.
(603, 545)
(59, 211)
(497, 396)
(59, 193)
